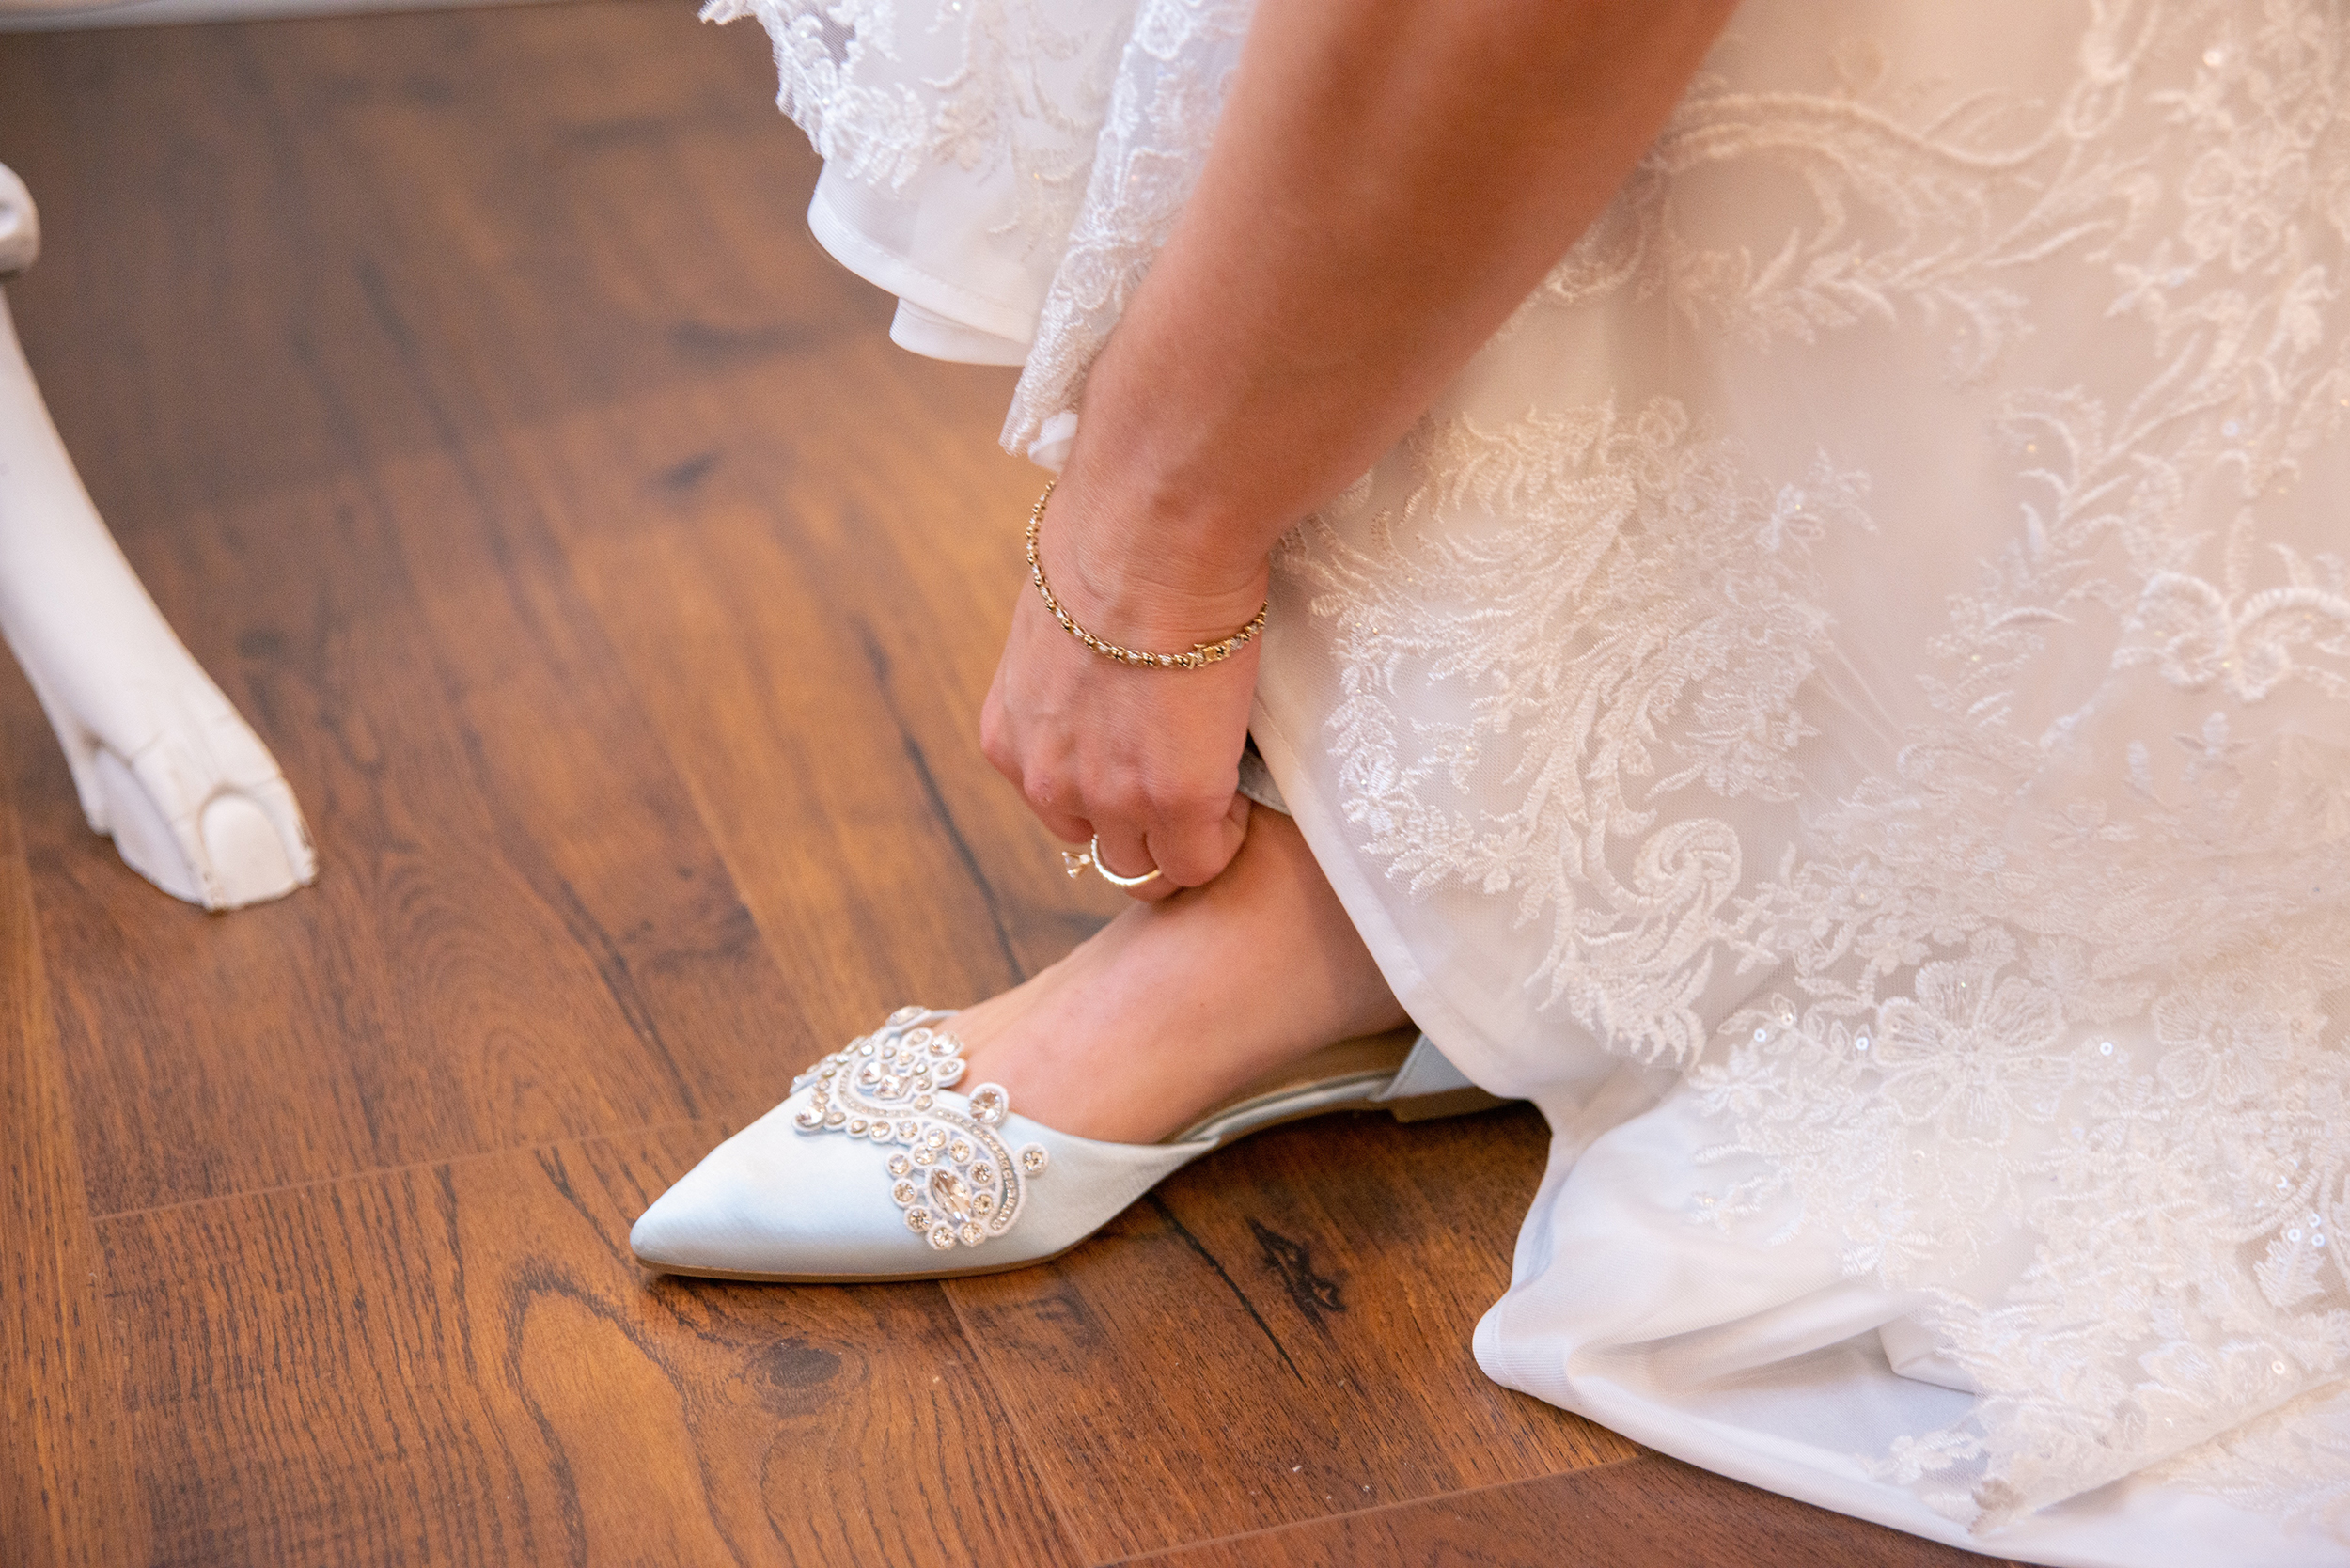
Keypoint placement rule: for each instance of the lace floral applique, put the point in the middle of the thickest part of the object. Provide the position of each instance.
(877, 131)
(1934, 220)
(2286, 1465)
(2198, 636)
(1972, 1051)
(2053, 998)
(1640, 573)
(1022, 92)
(1163, 109)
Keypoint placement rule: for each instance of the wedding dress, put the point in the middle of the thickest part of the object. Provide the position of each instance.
(1845, 705)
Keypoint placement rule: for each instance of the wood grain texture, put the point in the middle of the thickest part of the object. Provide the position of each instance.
(809, 565)
(1643, 1512)
(460, 1363)
(522, 932)
(1280, 1331)
(65, 1451)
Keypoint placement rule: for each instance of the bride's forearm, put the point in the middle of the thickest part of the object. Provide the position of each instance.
(1389, 179)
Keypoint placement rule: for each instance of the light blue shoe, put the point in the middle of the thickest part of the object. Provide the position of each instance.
(877, 1167)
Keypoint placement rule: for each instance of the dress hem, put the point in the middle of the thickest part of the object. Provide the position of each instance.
(892, 272)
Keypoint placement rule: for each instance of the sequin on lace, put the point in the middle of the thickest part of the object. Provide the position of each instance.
(956, 1181)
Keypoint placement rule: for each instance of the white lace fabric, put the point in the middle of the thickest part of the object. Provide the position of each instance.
(1846, 703)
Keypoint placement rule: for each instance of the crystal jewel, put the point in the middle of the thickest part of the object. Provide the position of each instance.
(950, 1193)
(955, 1180)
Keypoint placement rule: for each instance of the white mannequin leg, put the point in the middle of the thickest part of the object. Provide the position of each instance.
(160, 759)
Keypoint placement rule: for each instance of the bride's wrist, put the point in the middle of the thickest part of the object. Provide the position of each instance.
(1157, 578)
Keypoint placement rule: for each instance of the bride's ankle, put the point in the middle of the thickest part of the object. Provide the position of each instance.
(1176, 1005)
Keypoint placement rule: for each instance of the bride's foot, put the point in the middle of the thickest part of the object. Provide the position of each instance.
(874, 1167)
(1176, 1005)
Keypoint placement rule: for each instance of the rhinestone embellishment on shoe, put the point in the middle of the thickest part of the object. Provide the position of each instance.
(954, 1179)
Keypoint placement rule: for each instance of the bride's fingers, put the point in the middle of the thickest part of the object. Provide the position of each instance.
(1185, 854)
(1043, 789)
(1124, 853)
(1195, 853)
(1065, 826)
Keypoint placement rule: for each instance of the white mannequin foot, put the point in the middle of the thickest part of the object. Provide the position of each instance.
(200, 810)
(160, 758)
(20, 225)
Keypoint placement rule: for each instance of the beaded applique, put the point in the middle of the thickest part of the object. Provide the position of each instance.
(955, 1179)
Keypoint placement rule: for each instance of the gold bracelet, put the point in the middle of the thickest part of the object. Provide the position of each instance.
(1202, 653)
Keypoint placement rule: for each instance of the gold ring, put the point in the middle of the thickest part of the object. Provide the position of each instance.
(1076, 861)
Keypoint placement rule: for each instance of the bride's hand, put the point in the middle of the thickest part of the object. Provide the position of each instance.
(1355, 234)
(1146, 760)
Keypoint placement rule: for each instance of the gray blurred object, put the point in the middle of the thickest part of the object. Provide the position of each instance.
(28, 16)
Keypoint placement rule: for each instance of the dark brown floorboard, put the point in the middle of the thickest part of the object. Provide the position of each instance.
(1643, 1512)
(65, 1447)
(467, 390)
(460, 1363)
(1278, 1333)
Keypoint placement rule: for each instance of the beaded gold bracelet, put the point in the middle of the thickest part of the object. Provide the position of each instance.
(1202, 653)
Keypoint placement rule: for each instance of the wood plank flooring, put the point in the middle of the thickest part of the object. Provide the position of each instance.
(466, 387)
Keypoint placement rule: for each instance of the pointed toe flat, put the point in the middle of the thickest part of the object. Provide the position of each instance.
(880, 1166)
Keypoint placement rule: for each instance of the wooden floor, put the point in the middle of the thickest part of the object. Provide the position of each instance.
(620, 603)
